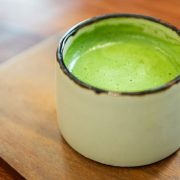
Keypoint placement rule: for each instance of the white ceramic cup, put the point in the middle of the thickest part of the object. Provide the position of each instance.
(119, 129)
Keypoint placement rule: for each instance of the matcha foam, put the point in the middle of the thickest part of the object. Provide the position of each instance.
(124, 54)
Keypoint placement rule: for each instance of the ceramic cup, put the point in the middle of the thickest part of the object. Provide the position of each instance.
(117, 128)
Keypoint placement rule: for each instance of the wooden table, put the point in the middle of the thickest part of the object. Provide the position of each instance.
(25, 23)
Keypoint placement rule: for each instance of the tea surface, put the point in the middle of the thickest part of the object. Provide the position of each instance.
(125, 55)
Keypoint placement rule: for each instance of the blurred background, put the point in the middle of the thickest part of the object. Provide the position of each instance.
(24, 23)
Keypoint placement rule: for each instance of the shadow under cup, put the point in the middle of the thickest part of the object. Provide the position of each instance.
(120, 128)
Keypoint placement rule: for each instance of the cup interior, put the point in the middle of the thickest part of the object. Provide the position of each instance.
(147, 50)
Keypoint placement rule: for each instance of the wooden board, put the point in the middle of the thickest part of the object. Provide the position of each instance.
(7, 172)
(29, 137)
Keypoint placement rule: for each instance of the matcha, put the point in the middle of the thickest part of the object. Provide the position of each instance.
(124, 54)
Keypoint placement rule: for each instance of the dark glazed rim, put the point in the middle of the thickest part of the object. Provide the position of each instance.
(87, 22)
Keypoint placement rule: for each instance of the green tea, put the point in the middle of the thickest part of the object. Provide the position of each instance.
(124, 54)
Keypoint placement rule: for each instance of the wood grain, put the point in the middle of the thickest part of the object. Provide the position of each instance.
(25, 23)
(30, 139)
(7, 172)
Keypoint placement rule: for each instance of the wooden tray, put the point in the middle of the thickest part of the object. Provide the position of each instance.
(29, 137)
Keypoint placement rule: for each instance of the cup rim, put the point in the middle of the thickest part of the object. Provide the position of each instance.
(72, 31)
